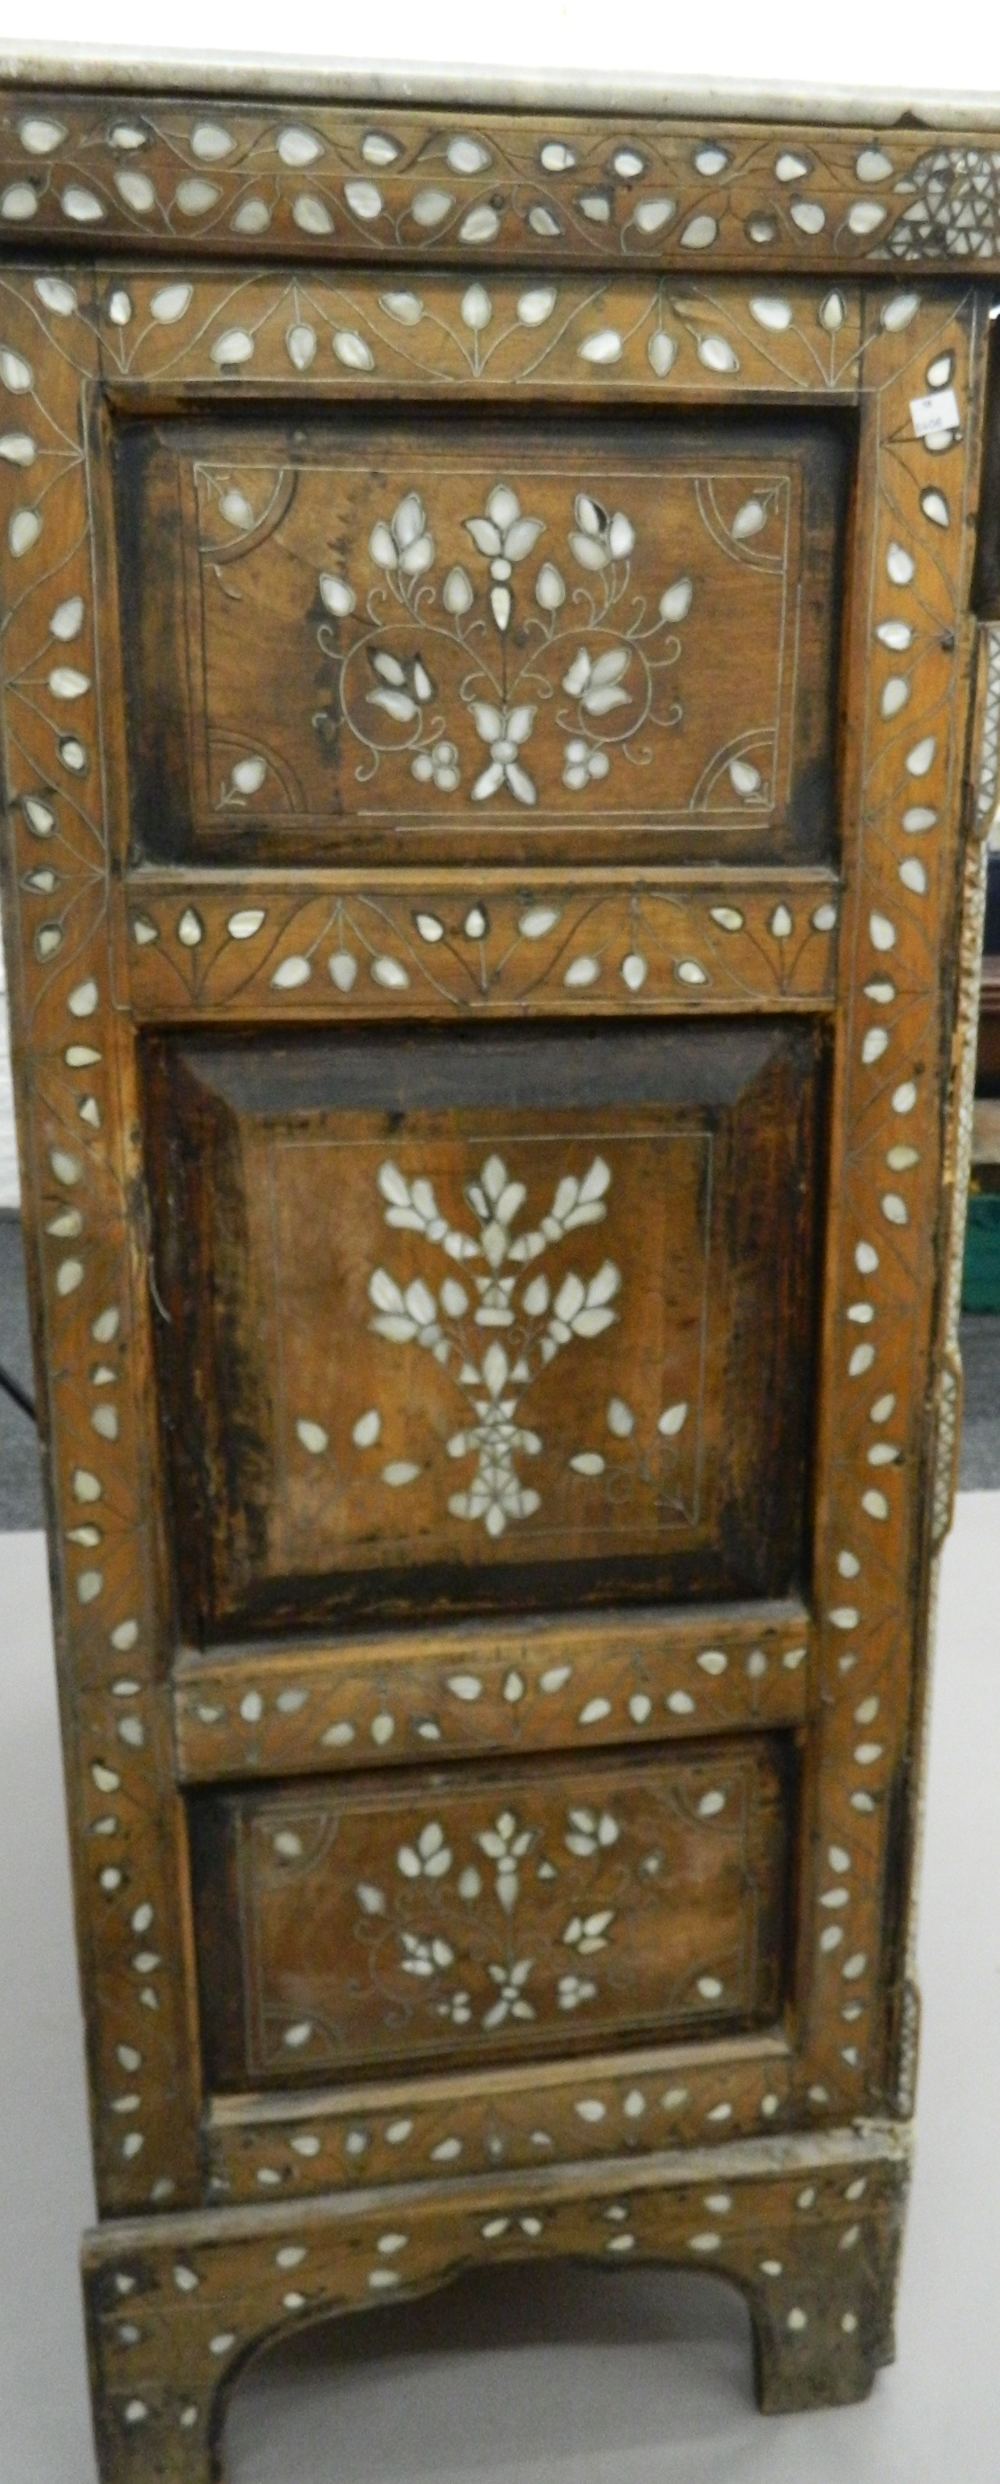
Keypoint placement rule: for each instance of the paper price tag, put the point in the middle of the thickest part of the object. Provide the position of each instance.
(938, 412)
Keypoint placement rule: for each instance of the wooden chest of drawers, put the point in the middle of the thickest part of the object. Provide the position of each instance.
(499, 730)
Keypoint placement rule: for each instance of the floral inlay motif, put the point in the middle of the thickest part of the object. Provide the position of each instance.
(504, 1909)
(530, 1323)
(493, 1875)
(421, 1404)
(573, 626)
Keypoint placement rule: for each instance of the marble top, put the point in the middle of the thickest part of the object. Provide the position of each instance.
(253, 75)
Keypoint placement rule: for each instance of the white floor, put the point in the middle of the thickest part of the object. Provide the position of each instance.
(548, 2376)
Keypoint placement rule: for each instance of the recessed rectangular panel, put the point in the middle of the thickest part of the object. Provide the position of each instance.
(475, 1915)
(484, 640)
(512, 1318)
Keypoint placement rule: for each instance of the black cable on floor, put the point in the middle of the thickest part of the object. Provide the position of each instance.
(12, 1389)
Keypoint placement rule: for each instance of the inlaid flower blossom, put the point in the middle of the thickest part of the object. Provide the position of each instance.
(588, 1933)
(506, 1844)
(438, 766)
(429, 1856)
(510, 2001)
(600, 536)
(504, 536)
(584, 762)
(402, 689)
(505, 730)
(573, 1990)
(457, 2009)
(425, 1957)
(404, 542)
(597, 680)
(589, 1831)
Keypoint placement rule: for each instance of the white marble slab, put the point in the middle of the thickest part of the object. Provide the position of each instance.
(267, 74)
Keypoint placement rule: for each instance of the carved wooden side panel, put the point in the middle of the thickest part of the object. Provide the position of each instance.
(148, 338)
(496, 1400)
(908, 751)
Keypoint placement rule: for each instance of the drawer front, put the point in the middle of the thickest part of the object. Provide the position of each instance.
(455, 642)
(461, 1920)
(511, 1320)
(486, 797)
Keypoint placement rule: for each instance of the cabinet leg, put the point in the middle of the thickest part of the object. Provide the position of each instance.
(809, 2230)
(165, 2436)
(821, 2340)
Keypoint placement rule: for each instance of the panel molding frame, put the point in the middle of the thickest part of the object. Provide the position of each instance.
(489, 1687)
(334, 943)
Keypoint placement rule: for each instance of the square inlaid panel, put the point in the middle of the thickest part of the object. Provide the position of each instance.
(483, 1318)
(468, 639)
(473, 1914)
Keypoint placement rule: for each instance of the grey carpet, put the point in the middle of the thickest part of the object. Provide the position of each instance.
(980, 1471)
(20, 1484)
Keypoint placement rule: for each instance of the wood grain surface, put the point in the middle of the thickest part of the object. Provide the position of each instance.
(494, 764)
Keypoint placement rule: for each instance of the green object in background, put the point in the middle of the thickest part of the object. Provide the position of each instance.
(981, 1273)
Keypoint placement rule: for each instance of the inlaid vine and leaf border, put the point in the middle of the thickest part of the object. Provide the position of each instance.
(146, 172)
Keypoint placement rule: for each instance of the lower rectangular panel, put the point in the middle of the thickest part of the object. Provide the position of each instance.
(468, 1916)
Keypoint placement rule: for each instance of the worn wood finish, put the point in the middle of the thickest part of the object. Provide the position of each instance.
(323, 180)
(810, 2235)
(265, 2144)
(334, 629)
(535, 1685)
(589, 943)
(603, 1338)
(499, 1402)
(460, 1916)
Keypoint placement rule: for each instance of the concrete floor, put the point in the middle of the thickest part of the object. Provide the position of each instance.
(536, 2376)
